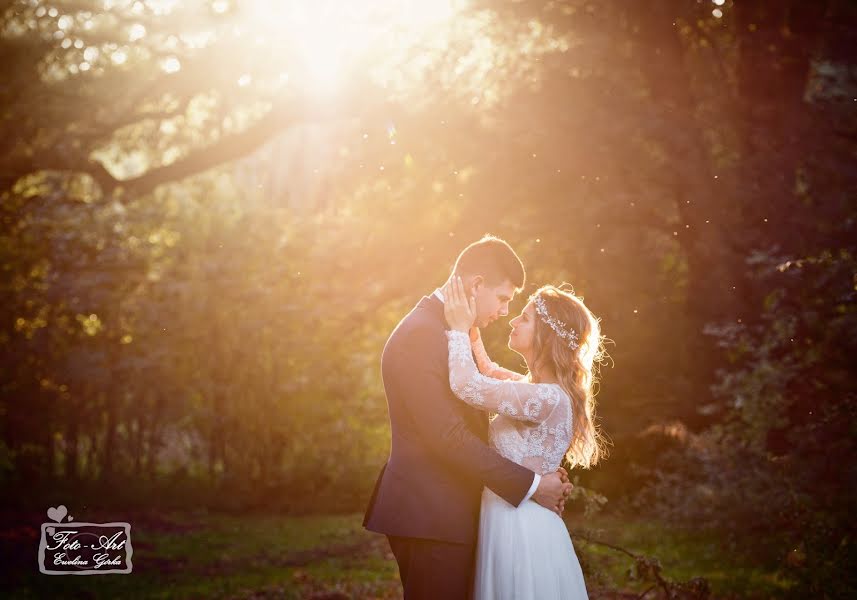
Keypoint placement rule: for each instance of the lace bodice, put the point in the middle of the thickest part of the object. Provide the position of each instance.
(533, 422)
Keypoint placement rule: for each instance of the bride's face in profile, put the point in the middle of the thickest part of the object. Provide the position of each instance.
(523, 330)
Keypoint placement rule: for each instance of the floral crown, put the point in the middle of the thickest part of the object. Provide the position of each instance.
(561, 329)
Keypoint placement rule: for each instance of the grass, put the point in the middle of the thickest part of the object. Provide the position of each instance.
(682, 554)
(183, 555)
(223, 556)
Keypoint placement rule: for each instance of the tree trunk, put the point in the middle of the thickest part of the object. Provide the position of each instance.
(107, 455)
(137, 446)
(72, 458)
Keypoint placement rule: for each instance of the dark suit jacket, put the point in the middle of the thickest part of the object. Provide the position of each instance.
(431, 486)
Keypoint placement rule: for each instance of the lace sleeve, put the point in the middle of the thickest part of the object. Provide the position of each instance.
(533, 402)
(490, 368)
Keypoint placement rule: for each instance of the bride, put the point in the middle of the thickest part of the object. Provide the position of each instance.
(526, 553)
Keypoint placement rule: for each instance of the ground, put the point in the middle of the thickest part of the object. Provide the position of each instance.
(200, 555)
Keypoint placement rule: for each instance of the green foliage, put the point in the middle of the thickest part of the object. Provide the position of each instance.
(773, 474)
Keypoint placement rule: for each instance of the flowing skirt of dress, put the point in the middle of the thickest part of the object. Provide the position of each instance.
(524, 553)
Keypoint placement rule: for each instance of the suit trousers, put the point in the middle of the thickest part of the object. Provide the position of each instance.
(433, 570)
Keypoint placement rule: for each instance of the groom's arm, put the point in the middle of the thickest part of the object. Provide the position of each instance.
(420, 367)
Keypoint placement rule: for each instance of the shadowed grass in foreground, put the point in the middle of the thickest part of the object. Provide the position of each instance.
(682, 554)
(250, 556)
(261, 556)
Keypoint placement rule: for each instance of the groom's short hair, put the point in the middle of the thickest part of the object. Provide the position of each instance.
(494, 259)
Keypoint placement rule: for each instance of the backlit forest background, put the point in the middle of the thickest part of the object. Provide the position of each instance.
(213, 213)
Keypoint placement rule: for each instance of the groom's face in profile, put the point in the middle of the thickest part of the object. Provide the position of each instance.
(492, 302)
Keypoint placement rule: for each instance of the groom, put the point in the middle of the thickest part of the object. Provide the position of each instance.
(427, 498)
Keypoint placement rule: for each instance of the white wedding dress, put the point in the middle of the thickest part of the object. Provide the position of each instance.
(524, 553)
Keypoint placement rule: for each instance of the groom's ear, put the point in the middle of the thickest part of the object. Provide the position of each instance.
(476, 283)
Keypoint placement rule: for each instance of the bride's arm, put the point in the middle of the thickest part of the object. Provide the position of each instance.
(486, 365)
(533, 402)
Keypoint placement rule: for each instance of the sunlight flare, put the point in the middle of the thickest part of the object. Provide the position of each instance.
(331, 36)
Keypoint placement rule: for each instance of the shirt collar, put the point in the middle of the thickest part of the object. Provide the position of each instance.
(439, 295)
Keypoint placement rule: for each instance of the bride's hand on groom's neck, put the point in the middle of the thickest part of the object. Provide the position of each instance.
(458, 308)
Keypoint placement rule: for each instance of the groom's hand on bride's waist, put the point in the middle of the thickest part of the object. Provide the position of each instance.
(553, 491)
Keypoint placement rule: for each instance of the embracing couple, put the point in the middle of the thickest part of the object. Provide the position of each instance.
(472, 507)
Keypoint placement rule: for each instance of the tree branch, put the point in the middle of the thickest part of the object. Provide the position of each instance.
(227, 149)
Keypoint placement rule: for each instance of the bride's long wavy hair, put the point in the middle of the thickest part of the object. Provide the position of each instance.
(576, 369)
